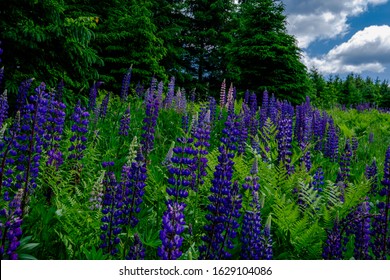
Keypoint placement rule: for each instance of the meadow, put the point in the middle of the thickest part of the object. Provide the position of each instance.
(157, 173)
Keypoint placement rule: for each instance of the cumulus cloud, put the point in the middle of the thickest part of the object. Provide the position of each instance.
(309, 20)
(367, 50)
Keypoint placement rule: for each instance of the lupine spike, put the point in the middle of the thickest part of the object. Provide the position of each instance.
(172, 228)
(79, 128)
(104, 105)
(93, 91)
(126, 84)
(222, 200)
(3, 108)
(10, 227)
(137, 249)
(125, 123)
(21, 99)
(112, 210)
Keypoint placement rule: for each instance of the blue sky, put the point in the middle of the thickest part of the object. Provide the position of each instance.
(342, 36)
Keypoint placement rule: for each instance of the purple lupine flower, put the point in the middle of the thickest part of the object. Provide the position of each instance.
(251, 182)
(150, 122)
(284, 138)
(272, 110)
(318, 180)
(243, 136)
(181, 170)
(133, 182)
(252, 245)
(137, 249)
(253, 121)
(345, 162)
(332, 142)
(93, 92)
(360, 227)
(213, 109)
(21, 98)
(60, 91)
(253, 103)
(112, 210)
(29, 142)
(246, 97)
(104, 105)
(386, 175)
(264, 109)
(3, 108)
(172, 227)
(79, 128)
(10, 227)
(371, 173)
(185, 122)
(333, 247)
(286, 110)
(224, 200)
(125, 123)
(381, 233)
(202, 136)
(299, 123)
(319, 128)
(54, 127)
(344, 170)
(170, 94)
(126, 84)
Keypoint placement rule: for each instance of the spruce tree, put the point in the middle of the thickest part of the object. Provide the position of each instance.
(205, 38)
(127, 36)
(263, 56)
(171, 24)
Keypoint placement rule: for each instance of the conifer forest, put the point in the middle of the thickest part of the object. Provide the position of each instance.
(183, 129)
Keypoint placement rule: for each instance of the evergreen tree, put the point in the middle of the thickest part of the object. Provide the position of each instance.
(171, 24)
(263, 56)
(208, 32)
(127, 36)
(318, 84)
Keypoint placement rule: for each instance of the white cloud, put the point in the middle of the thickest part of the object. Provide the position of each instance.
(367, 50)
(310, 20)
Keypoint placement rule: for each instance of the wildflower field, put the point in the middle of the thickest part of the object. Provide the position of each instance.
(158, 174)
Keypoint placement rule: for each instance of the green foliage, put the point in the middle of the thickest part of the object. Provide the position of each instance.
(127, 36)
(262, 54)
(351, 91)
(41, 41)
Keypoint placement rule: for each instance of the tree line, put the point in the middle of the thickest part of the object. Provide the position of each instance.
(199, 42)
(351, 90)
